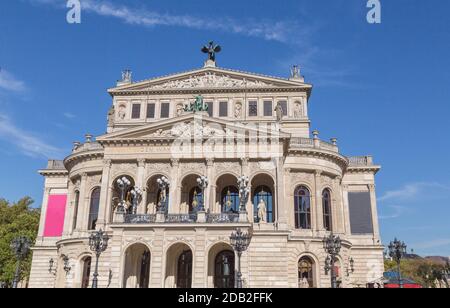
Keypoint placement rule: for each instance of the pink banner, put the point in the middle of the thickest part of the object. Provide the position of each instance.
(54, 220)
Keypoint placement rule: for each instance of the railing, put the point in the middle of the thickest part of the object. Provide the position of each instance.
(88, 146)
(139, 219)
(360, 161)
(181, 218)
(55, 165)
(222, 218)
(314, 144)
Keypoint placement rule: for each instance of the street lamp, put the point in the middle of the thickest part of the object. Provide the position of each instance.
(244, 192)
(98, 242)
(123, 185)
(20, 247)
(332, 245)
(203, 183)
(163, 184)
(240, 242)
(397, 250)
(136, 193)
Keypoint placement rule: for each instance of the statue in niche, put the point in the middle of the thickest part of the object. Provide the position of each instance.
(279, 112)
(228, 203)
(184, 208)
(304, 284)
(151, 208)
(262, 211)
(180, 110)
(162, 198)
(194, 200)
(111, 115)
(238, 111)
(121, 113)
(298, 112)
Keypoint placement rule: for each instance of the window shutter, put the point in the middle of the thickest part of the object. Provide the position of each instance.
(360, 213)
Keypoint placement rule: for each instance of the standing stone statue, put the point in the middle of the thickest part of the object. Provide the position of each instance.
(298, 113)
(238, 111)
(262, 211)
(279, 112)
(111, 116)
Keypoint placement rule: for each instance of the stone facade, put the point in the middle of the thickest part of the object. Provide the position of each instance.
(149, 136)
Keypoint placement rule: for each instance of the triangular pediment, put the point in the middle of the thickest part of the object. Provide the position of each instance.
(195, 126)
(210, 78)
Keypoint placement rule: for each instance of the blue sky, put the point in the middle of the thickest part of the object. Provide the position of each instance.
(381, 89)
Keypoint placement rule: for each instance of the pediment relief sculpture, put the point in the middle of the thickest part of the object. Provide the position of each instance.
(210, 80)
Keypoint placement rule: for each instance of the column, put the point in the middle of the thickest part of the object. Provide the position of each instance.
(174, 192)
(104, 195)
(373, 202)
(43, 212)
(318, 201)
(280, 188)
(338, 207)
(245, 170)
(83, 209)
(211, 174)
(70, 210)
(140, 183)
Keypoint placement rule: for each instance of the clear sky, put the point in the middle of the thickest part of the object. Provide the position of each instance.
(381, 89)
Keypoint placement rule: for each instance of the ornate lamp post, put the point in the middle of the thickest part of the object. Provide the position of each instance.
(240, 242)
(163, 184)
(98, 242)
(397, 250)
(123, 185)
(332, 246)
(244, 192)
(203, 183)
(137, 195)
(20, 247)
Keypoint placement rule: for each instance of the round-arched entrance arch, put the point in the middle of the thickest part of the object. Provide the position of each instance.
(137, 267)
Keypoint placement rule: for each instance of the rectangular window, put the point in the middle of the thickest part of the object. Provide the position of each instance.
(150, 111)
(210, 108)
(136, 111)
(223, 109)
(360, 207)
(253, 109)
(268, 109)
(284, 107)
(165, 109)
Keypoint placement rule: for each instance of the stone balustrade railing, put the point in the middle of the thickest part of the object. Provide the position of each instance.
(55, 165)
(88, 146)
(223, 218)
(360, 161)
(313, 144)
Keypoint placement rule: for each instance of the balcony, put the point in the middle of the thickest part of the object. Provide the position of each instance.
(142, 219)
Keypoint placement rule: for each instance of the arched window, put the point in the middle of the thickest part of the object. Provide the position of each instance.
(76, 205)
(326, 205)
(264, 193)
(302, 201)
(184, 272)
(86, 274)
(195, 199)
(305, 273)
(224, 270)
(94, 208)
(230, 200)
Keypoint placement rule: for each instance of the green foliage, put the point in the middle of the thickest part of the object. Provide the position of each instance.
(17, 219)
(422, 271)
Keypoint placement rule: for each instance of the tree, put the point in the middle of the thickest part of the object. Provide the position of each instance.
(17, 219)
(422, 271)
